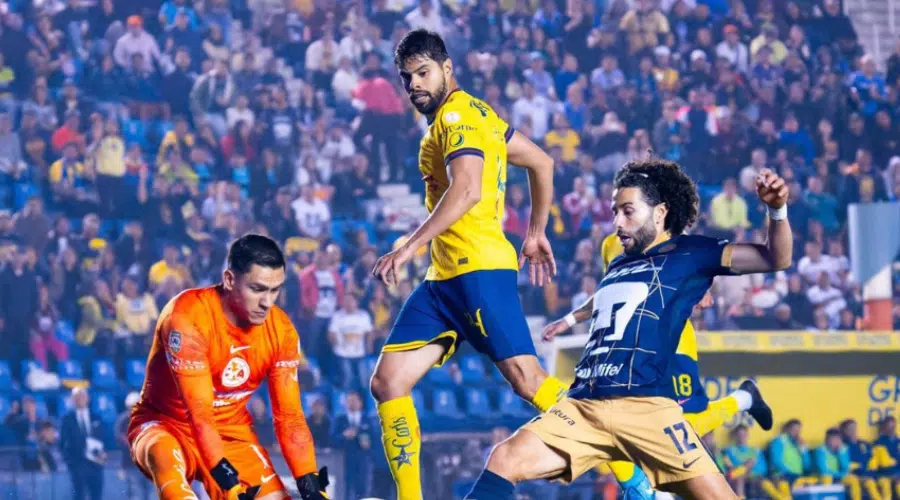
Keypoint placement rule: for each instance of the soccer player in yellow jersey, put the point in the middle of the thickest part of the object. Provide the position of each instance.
(704, 415)
(470, 289)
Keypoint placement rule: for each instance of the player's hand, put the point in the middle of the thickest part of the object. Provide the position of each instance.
(542, 266)
(553, 329)
(243, 492)
(312, 486)
(771, 189)
(387, 267)
(706, 301)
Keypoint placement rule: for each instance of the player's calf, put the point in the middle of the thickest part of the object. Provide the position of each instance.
(164, 460)
(522, 457)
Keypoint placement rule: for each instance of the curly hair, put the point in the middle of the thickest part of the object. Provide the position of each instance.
(663, 181)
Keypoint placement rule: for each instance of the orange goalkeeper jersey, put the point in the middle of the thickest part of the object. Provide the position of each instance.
(202, 370)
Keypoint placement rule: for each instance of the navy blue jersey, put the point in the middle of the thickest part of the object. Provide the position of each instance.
(640, 310)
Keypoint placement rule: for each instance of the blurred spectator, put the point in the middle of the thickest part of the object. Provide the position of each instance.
(36, 437)
(312, 214)
(350, 335)
(826, 296)
(212, 95)
(136, 315)
(136, 41)
(352, 432)
(745, 465)
(262, 422)
(19, 302)
(82, 448)
(727, 210)
(43, 339)
(320, 287)
(832, 462)
(319, 422)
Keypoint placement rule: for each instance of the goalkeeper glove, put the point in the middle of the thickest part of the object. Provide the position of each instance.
(226, 477)
(312, 486)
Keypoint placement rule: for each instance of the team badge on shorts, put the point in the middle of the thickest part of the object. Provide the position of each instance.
(174, 341)
(236, 372)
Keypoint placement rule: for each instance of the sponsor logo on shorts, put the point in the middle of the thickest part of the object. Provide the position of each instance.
(175, 341)
(601, 370)
(266, 479)
(567, 419)
(687, 465)
(402, 441)
(236, 372)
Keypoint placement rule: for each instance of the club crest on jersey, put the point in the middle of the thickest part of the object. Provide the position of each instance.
(175, 341)
(456, 139)
(236, 372)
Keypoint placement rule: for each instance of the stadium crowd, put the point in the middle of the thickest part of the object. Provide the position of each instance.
(138, 138)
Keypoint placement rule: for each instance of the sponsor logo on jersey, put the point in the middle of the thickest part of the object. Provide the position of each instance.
(175, 341)
(451, 117)
(236, 372)
(184, 364)
(640, 267)
(461, 128)
(601, 370)
(456, 139)
(229, 398)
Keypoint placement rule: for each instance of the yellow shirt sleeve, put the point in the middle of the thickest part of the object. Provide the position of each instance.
(55, 173)
(461, 133)
(610, 249)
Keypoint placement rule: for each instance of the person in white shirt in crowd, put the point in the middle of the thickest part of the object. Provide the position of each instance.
(536, 107)
(839, 259)
(136, 41)
(826, 296)
(81, 445)
(350, 335)
(312, 214)
(240, 112)
(814, 262)
(732, 50)
(748, 174)
(355, 45)
(345, 80)
(426, 16)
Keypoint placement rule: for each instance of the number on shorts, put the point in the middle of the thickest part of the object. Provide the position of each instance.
(622, 299)
(259, 454)
(683, 386)
(683, 445)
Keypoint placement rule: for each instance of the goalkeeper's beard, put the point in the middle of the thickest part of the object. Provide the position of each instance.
(434, 99)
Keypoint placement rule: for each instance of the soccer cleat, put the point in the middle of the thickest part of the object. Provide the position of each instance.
(759, 410)
(639, 490)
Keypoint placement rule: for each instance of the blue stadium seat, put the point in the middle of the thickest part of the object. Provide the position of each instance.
(134, 130)
(418, 398)
(103, 406)
(439, 376)
(5, 406)
(478, 404)
(512, 405)
(308, 398)
(445, 404)
(371, 361)
(26, 365)
(63, 403)
(103, 374)
(134, 373)
(70, 370)
(472, 368)
(6, 380)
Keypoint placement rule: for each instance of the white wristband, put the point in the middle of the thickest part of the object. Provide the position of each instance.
(777, 213)
(570, 320)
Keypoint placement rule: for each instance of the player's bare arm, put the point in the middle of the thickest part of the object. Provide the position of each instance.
(463, 193)
(583, 313)
(536, 249)
(777, 253)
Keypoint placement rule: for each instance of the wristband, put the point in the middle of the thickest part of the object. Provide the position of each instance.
(570, 320)
(777, 213)
(225, 474)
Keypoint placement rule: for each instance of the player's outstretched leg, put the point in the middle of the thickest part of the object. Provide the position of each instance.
(758, 409)
(522, 457)
(634, 483)
(395, 375)
(161, 455)
(529, 380)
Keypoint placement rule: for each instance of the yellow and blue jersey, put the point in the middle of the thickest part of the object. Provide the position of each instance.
(462, 126)
(886, 455)
(687, 387)
(470, 290)
(640, 311)
(861, 457)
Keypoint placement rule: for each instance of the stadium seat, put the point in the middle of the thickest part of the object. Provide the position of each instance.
(512, 405)
(134, 130)
(439, 376)
(70, 370)
(419, 401)
(308, 398)
(472, 368)
(371, 361)
(103, 374)
(478, 404)
(445, 404)
(134, 373)
(5, 406)
(104, 407)
(6, 380)
(26, 365)
(63, 403)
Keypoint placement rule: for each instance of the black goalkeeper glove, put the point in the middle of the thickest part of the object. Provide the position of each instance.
(226, 477)
(312, 486)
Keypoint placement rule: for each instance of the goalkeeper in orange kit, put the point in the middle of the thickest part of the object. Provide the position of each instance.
(212, 348)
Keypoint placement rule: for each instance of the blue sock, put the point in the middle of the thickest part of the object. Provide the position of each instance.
(638, 487)
(490, 486)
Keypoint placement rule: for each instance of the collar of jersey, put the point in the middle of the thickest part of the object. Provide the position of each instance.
(446, 100)
(650, 251)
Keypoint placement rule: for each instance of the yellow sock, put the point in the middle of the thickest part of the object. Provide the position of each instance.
(785, 489)
(769, 488)
(714, 416)
(871, 488)
(402, 445)
(623, 471)
(854, 488)
(885, 484)
(549, 393)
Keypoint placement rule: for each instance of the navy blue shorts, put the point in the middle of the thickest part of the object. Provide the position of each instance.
(481, 307)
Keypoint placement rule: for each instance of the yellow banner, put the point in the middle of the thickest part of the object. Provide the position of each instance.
(786, 341)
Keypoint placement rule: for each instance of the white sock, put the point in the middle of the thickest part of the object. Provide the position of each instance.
(744, 399)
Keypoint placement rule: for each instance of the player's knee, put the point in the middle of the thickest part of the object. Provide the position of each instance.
(510, 460)
(524, 374)
(385, 386)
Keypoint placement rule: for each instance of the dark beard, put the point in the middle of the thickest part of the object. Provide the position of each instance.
(433, 102)
(642, 238)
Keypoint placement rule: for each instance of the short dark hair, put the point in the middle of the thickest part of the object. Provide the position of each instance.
(663, 181)
(252, 249)
(420, 43)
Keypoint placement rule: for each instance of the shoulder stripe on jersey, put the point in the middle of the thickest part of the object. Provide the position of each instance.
(509, 133)
(463, 152)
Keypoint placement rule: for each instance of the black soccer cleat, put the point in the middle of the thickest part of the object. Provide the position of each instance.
(759, 410)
